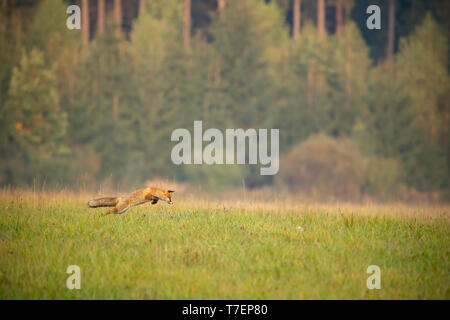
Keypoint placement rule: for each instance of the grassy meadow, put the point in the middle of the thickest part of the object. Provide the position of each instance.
(215, 250)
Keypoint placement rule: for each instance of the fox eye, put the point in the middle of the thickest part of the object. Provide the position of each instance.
(170, 191)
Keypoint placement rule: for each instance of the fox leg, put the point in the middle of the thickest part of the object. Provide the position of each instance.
(117, 210)
(120, 207)
(123, 210)
(123, 206)
(113, 210)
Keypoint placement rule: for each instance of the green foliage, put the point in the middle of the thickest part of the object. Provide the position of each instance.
(324, 166)
(125, 93)
(48, 31)
(323, 86)
(33, 124)
(297, 110)
(347, 77)
(243, 37)
(102, 116)
(408, 111)
(422, 71)
(168, 92)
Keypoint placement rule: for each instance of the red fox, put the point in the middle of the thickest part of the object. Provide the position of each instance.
(141, 196)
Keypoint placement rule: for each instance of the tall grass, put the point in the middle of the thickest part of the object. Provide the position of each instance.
(220, 250)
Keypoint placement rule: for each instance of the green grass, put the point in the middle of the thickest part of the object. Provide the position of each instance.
(206, 251)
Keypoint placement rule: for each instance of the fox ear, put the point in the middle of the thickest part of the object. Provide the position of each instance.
(170, 191)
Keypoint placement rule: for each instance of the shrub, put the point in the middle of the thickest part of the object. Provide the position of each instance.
(324, 168)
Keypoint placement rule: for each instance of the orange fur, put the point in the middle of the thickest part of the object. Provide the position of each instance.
(123, 203)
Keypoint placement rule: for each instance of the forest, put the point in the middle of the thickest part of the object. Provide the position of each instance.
(361, 113)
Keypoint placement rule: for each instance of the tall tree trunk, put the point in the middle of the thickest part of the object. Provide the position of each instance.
(187, 24)
(4, 18)
(339, 17)
(297, 19)
(221, 5)
(85, 21)
(101, 17)
(16, 25)
(118, 15)
(321, 17)
(391, 32)
(142, 6)
(118, 26)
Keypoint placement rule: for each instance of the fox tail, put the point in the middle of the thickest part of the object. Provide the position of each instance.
(103, 202)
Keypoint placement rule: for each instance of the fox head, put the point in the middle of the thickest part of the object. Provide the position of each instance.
(167, 196)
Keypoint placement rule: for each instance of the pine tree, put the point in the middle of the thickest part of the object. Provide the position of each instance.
(102, 117)
(408, 117)
(347, 77)
(422, 75)
(245, 41)
(33, 123)
(160, 78)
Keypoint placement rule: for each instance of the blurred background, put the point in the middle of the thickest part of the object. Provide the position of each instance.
(363, 114)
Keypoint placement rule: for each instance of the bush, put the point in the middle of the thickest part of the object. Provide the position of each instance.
(324, 168)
